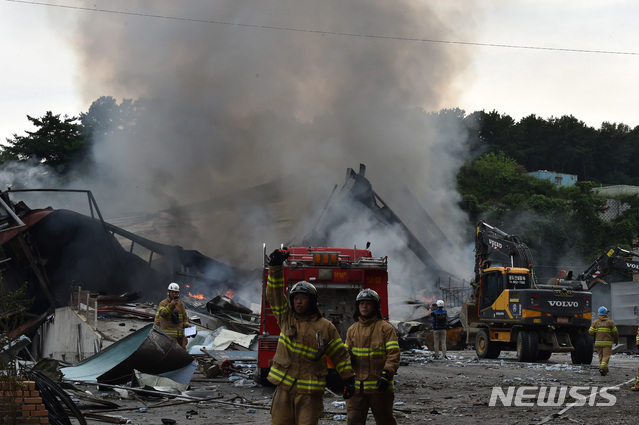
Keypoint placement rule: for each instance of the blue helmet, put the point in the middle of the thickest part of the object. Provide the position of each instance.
(603, 311)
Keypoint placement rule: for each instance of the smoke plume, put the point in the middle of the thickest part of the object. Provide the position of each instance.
(241, 94)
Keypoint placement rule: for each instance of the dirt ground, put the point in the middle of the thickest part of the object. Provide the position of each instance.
(453, 391)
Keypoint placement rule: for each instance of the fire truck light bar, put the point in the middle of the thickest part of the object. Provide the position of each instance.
(325, 258)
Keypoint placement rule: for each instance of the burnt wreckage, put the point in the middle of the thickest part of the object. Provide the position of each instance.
(46, 251)
(52, 250)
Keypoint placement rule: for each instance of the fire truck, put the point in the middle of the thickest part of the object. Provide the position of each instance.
(339, 274)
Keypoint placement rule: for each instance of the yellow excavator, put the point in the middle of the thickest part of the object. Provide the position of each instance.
(509, 310)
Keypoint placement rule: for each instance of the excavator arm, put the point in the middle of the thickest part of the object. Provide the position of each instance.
(613, 258)
(494, 245)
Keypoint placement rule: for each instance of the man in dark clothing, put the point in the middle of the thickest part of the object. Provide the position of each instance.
(440, 324)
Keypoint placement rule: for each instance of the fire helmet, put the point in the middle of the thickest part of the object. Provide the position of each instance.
(174, 287)
(440, 303)
(367, 295)
(603, 311)
(303, 287)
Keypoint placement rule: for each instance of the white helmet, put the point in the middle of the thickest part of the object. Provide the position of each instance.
(174, 287)
(440, 303)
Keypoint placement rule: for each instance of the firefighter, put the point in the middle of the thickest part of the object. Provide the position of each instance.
(636, 386)
(374, 350)
(440, 324)
(605, 334)
(299, 367)
(171, 315)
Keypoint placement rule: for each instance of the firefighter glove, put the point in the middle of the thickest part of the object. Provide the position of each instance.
(175, 318)
(277, 257)
(384, 381)
(349, 388)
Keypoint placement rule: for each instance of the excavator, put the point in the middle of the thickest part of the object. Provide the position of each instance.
(509, 309)
(614, 258)
(621, 297)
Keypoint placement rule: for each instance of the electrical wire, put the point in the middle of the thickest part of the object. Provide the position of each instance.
(55, 398)
(333, 33)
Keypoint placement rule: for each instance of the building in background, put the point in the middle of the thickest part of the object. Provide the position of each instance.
(560, 179)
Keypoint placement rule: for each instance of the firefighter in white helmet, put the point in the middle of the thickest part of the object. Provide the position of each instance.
(374, 350)
(306, 338)
(440, 324)
(171, 315)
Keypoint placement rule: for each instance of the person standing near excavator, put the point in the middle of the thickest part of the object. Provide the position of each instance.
(440, 324)
(171, 315)
(306, 338)
(605, 334)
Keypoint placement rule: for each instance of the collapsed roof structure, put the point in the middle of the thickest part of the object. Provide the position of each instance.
(46, 251)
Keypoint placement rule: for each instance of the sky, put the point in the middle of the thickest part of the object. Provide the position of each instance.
(40, 71)
(241, 93)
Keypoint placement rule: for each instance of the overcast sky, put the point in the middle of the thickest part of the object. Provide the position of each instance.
(40, 70)
(243, 92)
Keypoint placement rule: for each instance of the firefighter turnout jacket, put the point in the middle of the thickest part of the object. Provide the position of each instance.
(299, 357)
(172, 321)
(373, 346)
(604, 331)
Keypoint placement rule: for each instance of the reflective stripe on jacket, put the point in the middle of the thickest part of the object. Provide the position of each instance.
(163, 318)
(604, 331)
(373, 346)
(297, 347)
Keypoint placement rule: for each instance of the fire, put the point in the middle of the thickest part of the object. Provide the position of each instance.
(429, 300)
(230, 293)
(198, 296)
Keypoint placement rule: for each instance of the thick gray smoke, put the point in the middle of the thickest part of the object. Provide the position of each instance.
(244, 93)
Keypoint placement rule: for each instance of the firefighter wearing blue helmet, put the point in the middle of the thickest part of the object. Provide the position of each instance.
(604, 331)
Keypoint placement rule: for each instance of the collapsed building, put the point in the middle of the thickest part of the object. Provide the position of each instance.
(50, 250)
(55, 252)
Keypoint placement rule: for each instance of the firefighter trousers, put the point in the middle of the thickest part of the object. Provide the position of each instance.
(604, 357)
(380, 403)
(292, 408)
(439, 339)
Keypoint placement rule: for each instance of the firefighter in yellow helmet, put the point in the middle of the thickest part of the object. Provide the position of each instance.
(605, 334)
(374, 350)
(299, 367)
(171, 316)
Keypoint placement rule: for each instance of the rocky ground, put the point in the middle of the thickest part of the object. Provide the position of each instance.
(453, 391)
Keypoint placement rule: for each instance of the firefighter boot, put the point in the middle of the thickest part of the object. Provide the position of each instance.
(636, 386)
(603, 369)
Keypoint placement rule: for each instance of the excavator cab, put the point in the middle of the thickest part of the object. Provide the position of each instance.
(495, 285)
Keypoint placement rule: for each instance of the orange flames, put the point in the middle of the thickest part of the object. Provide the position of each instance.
(429, 300)
(198, 296)
(229, 294)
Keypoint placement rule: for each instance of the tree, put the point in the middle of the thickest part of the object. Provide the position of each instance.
(106, 118)
(57, 142)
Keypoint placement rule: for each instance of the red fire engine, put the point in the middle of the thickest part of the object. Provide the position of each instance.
(339, 274)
